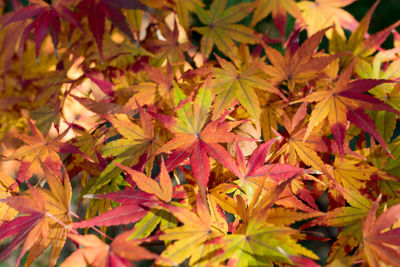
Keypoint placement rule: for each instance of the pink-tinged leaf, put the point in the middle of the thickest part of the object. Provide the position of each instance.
(128, 249)
(22, 223)
(104, 85)
(374, 42)
(218, 132)
(390, 237)
(280, 19)
(70, 148)
(130, 197)
(34, 205)
(306, 196)
(293, 42)
(45, 19)
(364, 122)
(23, 226)
(95, 252)
(96, 19)
(278, 172)
(127, 4)
(257, 159)
(303, 262)
(299, 116)
(387, 219)
(386, 254)
(96, 12)
(339, 132)
(23, 39)
(24, 172)
(54, 28)
(379, 245)
(361, 86)
(146, 120)
(268, 200)
(165, 182)
(25, 13)
(200, 163)
(150, 185)
(240, 159)
(168, 121)
(68, 15)
(219, 153)
(369, 102)
(176, 158)
(117, 216)
(143, 182)
(140, 166)
(16, 4)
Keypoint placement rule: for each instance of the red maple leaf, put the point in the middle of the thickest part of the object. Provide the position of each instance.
(46, 19)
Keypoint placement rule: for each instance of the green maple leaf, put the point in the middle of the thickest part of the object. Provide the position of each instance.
(231, 83)
(221, 28)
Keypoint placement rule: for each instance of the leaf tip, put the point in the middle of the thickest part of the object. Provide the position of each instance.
(312, 171)
(89, 196)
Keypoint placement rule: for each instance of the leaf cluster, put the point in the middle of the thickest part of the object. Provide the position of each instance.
(177, 132)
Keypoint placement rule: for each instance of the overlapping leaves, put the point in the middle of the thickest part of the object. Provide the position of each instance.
(175, 147)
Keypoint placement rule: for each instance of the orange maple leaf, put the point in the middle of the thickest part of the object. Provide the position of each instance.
(96, 253)
(299, 66)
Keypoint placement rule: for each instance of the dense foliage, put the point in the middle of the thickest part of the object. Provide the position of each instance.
(209, 134)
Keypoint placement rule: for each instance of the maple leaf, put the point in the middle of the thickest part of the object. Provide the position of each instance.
(148, 185)
(158, 91)
(348, 217)
(46, 19)
(259, 203)
(135, 204)
(96, 253)
(230, 83)
(385, 121)
(385, 65)
(135, 135)
(278, 9)
(354, 173)
(391, 165)
(150, 222)
(271, 114)
(194, 137)
(137, 147)
(261, 244)
(296, 148)
(285, 217)
(380, 244)
(171, 48)
(228, 199)
(134, 207)
(97, 11)
(6, 182)
(222, 29)
(356, 43)
(39, 150)
(183, 9)
(58, 218)
(297, 66)
(323, 13)
(249, 172)
(30, 227)
(195, 234)
(346, 100)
